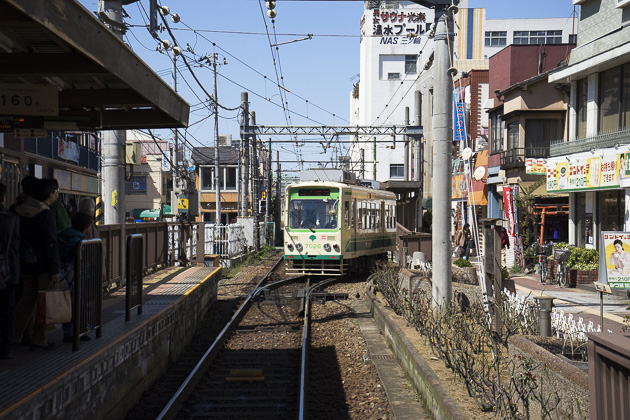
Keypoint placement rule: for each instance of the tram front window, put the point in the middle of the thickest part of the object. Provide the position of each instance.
(313, 214)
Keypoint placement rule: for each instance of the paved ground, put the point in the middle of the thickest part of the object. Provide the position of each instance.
(582, 302)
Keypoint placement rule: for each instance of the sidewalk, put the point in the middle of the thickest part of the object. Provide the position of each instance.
(583, 302)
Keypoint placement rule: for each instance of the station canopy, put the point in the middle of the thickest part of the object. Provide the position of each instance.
(61, 68)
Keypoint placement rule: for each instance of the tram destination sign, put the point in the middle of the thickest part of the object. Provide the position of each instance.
(28, 99)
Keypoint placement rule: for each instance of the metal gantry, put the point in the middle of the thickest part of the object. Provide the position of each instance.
(325, 130)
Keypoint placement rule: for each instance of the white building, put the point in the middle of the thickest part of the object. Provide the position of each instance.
(394, 48)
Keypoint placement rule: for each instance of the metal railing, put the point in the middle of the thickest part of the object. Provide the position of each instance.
(134, 275)
(604, 139)
(87, 311)
(516, 157)
(163, 245)
(226, 241)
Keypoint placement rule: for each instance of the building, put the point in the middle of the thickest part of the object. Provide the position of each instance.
(590, 162)
(149, 177)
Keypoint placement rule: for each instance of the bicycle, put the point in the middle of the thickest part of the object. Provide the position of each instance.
(561, 256)
(544, 251)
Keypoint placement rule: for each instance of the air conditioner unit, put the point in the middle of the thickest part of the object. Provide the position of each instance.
(133, 153)
(225, 140)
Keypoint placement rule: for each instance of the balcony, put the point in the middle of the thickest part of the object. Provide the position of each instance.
(515, 158)
(607, 139)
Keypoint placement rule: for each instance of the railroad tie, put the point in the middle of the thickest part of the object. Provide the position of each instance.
(245, 375)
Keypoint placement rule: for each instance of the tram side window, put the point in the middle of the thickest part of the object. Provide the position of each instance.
(353, 214)
(346, 213)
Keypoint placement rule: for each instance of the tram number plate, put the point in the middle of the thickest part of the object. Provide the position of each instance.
(313, 246)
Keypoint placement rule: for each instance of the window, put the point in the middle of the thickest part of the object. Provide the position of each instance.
(537, 37)
(410, 64)
(496, 39)
(497, 134)
(581, 103)
(393, 76)
(313, 214)
(136, 185)
(230, 178)
(512, 140)
(572, 38)
(396, 170)
(609, 99)
(538, 135)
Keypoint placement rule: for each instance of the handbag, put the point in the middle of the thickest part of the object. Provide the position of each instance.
(53, 307)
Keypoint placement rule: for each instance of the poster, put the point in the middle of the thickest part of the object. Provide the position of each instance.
(614, 260)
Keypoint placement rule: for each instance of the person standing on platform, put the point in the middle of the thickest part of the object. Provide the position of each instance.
(87, 205)
(62, 218)
(9, 274)
(39, 261)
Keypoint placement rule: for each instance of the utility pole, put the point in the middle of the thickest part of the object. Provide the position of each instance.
(442, 147)
(362, 163)
(406, 140)
(217, 159)
(374, 170)
(255, 187)
(419, 157)
(114, 142)
(245, 149)
(269, 182)
(279, 203)
(175, 152)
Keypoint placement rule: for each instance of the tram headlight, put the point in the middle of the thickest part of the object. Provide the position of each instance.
(327, 247)
(336, 247)
(299, 247)
(289, 246)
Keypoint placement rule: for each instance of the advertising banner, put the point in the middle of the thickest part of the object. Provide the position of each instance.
(536, 166)
(614, 260)
(510, 212)
(588, 172)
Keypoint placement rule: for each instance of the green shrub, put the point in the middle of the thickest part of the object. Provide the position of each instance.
(461, 263)
(583, 259)
(505, 274)
(515, 269)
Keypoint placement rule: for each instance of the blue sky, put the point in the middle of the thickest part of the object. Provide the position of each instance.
(318, 73)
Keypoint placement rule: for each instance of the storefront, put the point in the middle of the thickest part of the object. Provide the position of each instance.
(598, 183)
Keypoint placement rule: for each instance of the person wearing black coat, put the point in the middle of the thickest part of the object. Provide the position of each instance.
(9, 274)
(40, 264)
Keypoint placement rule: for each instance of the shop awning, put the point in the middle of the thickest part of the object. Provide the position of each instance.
(146, 213)
(427, 203)
(167, 210)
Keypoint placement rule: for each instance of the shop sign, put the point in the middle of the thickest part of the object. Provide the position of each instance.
(459, 187)
(615, 258)
(458, 121)
(536, 166)
(585, 173)
(397, 25)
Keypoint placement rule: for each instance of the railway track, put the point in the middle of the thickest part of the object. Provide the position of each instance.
(258, 365)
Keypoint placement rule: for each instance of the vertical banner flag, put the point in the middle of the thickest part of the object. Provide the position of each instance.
(508, 205)
(459, 122)
(614, 264)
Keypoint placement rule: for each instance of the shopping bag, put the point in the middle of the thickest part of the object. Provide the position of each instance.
(53, 307)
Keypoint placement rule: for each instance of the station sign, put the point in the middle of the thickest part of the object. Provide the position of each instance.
(28, 99)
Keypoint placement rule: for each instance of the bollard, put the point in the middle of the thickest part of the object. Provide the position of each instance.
(545, 303)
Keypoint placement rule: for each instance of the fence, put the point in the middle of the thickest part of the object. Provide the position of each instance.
(134, 275)
(164, 244)
(87, 308)
(226, 241)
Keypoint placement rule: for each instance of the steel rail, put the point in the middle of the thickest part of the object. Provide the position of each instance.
(306, 338)
(174, 404)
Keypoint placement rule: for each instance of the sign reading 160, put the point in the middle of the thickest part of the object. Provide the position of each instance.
(15, 100)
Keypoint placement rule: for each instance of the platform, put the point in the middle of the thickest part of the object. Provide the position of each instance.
(108, 374)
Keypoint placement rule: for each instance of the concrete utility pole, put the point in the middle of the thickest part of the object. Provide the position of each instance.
(255, 187)
(175, 153)
(114, 142)
(406, 140)
(442, 146)
(418, 157)
(217, 159)
(245, 149)
(269, 181)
